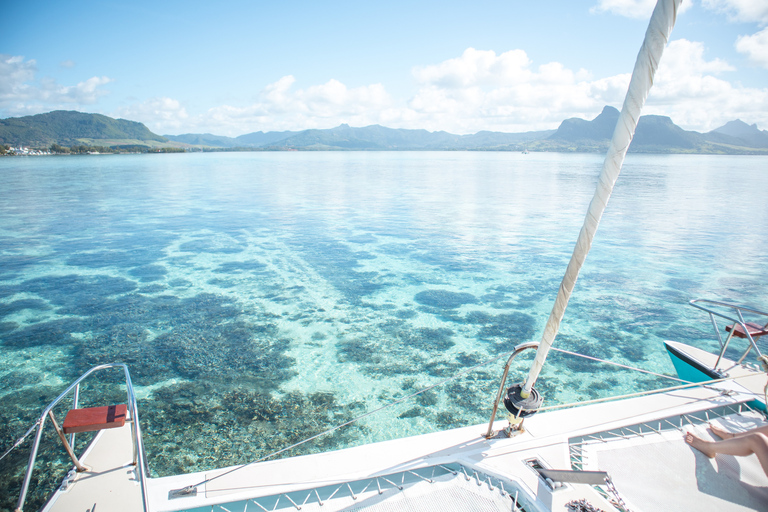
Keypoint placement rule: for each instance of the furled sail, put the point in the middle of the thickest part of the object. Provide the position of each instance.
(656, 37)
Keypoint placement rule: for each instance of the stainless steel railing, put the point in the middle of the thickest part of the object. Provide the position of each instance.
(734, 314)
(139, 455)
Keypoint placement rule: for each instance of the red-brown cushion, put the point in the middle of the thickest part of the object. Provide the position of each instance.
(94, 418)
(755, 330)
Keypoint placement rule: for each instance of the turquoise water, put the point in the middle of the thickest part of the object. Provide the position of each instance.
(260, 298)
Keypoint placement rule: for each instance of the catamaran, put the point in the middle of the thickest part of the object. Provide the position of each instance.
(618, 454)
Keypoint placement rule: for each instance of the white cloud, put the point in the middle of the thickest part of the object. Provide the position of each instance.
(480, 90)
(755, 47)
(21, 95)
(161, 115)
(638, 9)
(689, 90)
(278, 107)
(754, 11)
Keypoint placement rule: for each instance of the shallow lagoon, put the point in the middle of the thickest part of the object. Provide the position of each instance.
(260, 298)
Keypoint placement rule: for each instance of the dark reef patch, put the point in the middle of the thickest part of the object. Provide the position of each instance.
(405, 314)
(54, 333)
(22, 304)
(444, 299)
(148, 273)
(237, 267)
(240, 425)
(75, 294)
(506, 330)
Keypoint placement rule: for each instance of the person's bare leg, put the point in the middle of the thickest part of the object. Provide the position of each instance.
(719, 432)
(741, 446)
(724, 434)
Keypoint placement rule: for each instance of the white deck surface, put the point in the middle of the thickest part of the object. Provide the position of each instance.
(110, 484)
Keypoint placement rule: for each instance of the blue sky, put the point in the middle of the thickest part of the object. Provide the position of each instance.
(235, 67)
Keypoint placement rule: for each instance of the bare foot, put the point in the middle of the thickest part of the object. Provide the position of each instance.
(701, 445)
(719, 432)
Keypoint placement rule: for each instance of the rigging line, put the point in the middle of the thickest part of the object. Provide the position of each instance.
(370, 413)
(20, 440)
(620, 365)
(646, 393)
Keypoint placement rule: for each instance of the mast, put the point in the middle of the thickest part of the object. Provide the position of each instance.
(656, 37)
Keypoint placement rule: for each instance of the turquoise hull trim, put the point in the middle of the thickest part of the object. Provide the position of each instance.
(689, 369)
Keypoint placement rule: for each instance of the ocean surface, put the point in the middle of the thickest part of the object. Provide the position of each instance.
(260, 298)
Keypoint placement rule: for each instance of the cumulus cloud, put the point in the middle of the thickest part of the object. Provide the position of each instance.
(629, 8)
(688, 86)
(161, 115)
(754, 11)
(20, 94)
(483, 90)
(755, 47)
(281, 107)
(638, 9)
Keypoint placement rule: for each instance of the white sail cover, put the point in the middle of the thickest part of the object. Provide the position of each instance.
(656, 37)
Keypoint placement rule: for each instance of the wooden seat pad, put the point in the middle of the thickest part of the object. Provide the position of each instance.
(95, 418)
(755, 330)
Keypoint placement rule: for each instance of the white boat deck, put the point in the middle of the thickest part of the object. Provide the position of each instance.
(652, 471)
(110, 482)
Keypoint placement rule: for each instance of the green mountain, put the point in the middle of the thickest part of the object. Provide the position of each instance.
(70, 128)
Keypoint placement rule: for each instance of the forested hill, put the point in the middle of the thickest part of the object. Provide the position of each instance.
(68, 127)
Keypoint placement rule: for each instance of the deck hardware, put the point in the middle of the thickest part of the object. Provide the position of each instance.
(477, 478)
(514, 504)
(519, 348)
(63, 438)
(400, 487)
(501, 484)
(465, 473)
(184, 492)
(258, 504)
(306, 499)
(378, 486)
(454, 473)
(225, 509)
(293, 502)
(366, 487)
(354, 497)
(490, 483)
(318, 498)
(422, 477)
(334, 493)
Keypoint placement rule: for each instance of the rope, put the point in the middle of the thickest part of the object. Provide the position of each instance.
(619, 365)
(645, 393)
(656, 37)
(21, 439)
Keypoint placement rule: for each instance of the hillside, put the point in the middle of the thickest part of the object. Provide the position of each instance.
(70, 128)
(654, 134)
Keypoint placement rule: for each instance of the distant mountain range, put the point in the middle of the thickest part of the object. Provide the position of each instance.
(654, 134)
